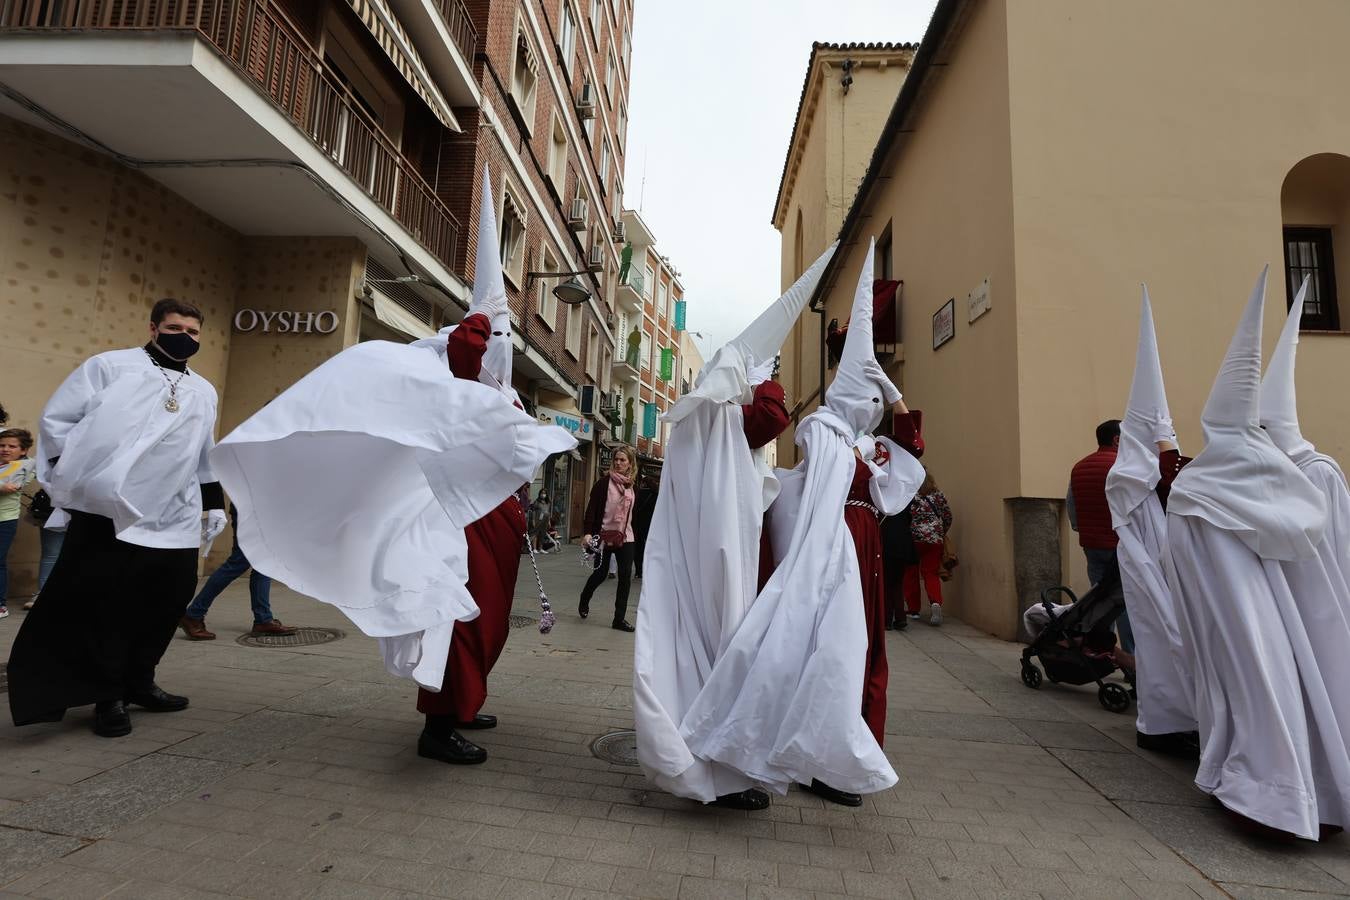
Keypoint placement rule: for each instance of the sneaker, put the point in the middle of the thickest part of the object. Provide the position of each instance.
(935, 614)
(29, 605)
(915, 616)
(4, 613)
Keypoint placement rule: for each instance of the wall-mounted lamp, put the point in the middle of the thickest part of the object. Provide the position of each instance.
(572, 291)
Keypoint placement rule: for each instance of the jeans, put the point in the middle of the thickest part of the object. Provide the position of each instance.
(259, 588)
(1098, 558)
(624, 556)
(7, 532)
(51, 549)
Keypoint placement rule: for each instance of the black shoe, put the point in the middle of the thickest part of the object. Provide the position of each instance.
(584, 609)
(479, 723)
(751, 799)
(824, 791)
(111, 719)
(156, 699)
(621, 625)
(450, 747)
(1181, 744)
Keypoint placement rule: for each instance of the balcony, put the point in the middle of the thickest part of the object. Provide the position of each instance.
(234, 111)
(447, 40)
(630, 292)
(626, 372)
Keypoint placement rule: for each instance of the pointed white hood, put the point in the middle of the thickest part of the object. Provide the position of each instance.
(726, 376)
(489, 295)
(1241, 482)
(861, 393)
(1279, 402)
(1135, 474)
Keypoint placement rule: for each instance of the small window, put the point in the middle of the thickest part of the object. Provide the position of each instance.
(610, 66)
(604, 162)
(567, 38)
(621, 127)
(647, 285)
(557, 156)
(881, 265)
(546, 303)
(646, 351)
(524, 78)
(573, 344)
(593, 354)
(627, 43)
(588, 126)
(596, 16)
(1308, 253)
(661, 299)
(512, 221)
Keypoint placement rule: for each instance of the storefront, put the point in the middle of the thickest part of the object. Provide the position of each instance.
(563, 476)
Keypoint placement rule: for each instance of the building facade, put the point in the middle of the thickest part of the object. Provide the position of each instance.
(308, 173)
(1033, 169)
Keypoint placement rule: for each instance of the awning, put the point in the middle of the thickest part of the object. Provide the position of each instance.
(391, 37)
(398, 318)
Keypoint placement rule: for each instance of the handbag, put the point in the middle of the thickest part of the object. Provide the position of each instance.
(613, 539)
(40, 506)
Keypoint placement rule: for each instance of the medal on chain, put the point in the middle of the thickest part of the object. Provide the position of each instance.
(171, 404)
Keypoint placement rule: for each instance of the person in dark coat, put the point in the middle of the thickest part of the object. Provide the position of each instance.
(642, 518)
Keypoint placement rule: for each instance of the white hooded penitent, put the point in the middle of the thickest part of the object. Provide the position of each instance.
(1163, 677)
(701, 566)
(784, 702)
(489, 295)
(354, 486)
(1234, 513)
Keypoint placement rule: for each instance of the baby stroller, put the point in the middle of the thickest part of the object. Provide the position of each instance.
(1076, 642)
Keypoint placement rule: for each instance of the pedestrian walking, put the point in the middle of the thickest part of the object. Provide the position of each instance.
(123, 447)
(1090, 513)
(609, 519)
(193, 622)
(931, 519)
(17, 471)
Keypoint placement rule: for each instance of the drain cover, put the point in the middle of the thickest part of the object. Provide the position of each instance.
(522, 622)
(617, 747)
(303, 637)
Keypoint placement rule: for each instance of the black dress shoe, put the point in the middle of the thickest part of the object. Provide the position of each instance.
(621, 625)
(1181, 744)
(156, 699)
(751, 799)
(111, 719)
(584, 609)
(479, 722)
(450, 747)
(825, 792)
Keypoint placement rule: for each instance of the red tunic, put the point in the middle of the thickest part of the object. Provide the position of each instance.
(865, 528)
(766, 416)
(494, 561)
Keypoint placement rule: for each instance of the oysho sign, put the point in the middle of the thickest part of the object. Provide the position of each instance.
(285, 321)
(581, 427)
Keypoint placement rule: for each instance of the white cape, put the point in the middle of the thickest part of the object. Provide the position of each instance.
(355, 485)
(784, 702)
(700, 575)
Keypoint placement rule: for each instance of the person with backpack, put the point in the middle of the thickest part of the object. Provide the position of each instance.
(931, 519)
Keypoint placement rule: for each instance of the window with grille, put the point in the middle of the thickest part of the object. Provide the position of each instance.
(1308, 254)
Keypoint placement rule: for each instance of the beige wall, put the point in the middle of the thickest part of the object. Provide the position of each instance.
(1150, 142)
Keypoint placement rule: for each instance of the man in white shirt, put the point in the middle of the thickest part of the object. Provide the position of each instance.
(122, 449)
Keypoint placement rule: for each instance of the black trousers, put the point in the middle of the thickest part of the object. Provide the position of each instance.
(624, 555)
(108, 612)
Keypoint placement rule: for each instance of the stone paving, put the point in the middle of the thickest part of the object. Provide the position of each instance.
(294, 774)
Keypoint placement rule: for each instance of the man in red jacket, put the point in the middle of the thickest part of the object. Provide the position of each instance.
(1090, 516)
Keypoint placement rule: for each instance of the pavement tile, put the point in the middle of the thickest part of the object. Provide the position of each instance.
(692, 888)
(809, 878)
(868, 884)
(582, 874)
(22, 851)
(682, 862)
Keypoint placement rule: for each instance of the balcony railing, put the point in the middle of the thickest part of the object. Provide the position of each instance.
(635, 280)
(270, 51)
(456, 16)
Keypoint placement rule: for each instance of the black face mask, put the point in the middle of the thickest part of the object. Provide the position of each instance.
(178, 345)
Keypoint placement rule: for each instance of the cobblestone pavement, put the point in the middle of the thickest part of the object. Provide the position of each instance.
(294, 774)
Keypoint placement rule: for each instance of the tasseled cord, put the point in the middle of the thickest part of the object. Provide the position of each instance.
(546, 618)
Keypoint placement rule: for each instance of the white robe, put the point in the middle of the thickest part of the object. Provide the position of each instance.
(784, 702)
(1163, 677)
(355, 485)
(123, 455)
(700, 575)
(1233, 608)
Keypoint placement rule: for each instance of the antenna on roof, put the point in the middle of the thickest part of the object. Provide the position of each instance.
(642, 191)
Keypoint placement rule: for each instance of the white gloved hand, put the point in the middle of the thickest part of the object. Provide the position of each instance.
(1163, 430)
(890, 394)
(213, 525)
(760, 373)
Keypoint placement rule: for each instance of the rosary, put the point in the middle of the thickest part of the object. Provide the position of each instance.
(172, 403)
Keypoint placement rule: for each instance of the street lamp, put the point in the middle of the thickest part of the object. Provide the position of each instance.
(571, 292)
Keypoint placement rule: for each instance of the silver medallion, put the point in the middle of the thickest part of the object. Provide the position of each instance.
(171, 404)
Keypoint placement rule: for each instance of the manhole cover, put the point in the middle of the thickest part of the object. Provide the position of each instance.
(617, 747)
(522, 622)
(303, 637)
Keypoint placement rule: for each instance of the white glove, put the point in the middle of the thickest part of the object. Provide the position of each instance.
(760, 373)
(890, 394)
(1163, 430)
(213, 525)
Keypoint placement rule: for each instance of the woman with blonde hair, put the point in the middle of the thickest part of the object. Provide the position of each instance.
(931, 519)
(609, 520)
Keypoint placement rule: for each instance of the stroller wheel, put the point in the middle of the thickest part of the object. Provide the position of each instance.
(1031, 676)
(1113, 697)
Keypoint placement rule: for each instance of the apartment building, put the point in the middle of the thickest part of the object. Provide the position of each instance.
(308, 173)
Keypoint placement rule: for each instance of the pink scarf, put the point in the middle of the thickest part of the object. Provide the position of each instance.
(619, 506)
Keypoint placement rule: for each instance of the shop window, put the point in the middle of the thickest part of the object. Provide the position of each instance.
(1315, 206)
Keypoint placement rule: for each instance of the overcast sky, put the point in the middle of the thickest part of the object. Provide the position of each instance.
(714, 93)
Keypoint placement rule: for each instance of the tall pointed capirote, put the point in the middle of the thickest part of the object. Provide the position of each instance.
(763, 338)
(489, 290)
(1148, 395)
(860, 391)
(1234, 401)
(1279, 400)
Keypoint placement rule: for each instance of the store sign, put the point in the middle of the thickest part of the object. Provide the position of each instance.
(667, 363)
(580, 427)
(285, 321)
(649, 420)
(679, 315)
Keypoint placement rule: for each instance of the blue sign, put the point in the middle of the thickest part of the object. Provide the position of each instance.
(679, 315)
(649, 420)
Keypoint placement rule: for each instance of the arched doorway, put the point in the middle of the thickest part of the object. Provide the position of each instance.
(1315, 208)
